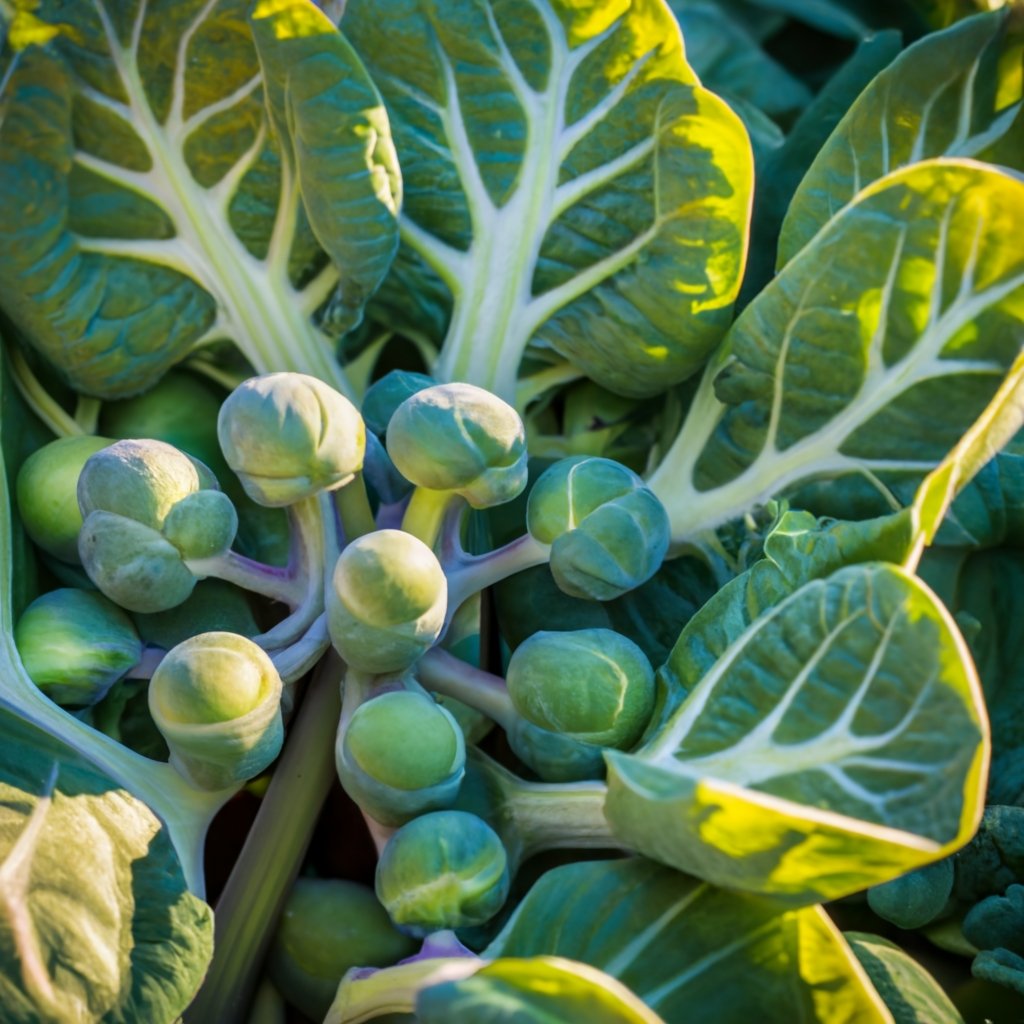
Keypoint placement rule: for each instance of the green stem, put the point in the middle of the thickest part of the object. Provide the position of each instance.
(252, 900)
(39, 399)
(443, 673)
(353, 507)
(425, 513)
(87, 413)
(268, 580)
(468, 574)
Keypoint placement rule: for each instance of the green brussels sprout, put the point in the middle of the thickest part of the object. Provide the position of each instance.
(141, 480)
(442, 870)
(202, 525)
(384, 396)
(75, 644)
(608, 532)
(47, 492)
(289, 436)
(593, 685)
(133, 564)
(180, 409)
(213, 606)
(400, 755)
(327, 927)
(216, 698)
(387, 601)
(148, 508)
(460, 439)
(553, 756)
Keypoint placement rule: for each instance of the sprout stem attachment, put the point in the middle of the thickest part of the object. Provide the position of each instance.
(354, 510)
(469, 574)
(443, 673)
(269, 861)
(426, 511)
(268, 580)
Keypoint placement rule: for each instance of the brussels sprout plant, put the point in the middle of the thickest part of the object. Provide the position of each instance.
(512, 511)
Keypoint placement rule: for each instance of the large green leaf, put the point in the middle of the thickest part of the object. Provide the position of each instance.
(731, 62)
(680, 945)
(955, 93)
(841, 740)
(547, 990)
(576, 189)
(96, 922)
(145, 207)
(910, 992)
(869, 356)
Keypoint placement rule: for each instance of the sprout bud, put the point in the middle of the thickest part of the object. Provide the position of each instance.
(133, 564)
(384, 396)
(443, 870)
(47, 491)
(75, 644)
(202, 525)
(327, 927)
(387, 602)
(148, 507)
(289, 436)
(401, 754)
(608, 532)
(140, 480)
(553, 756)
(593, 685)
(461, 439)
(216, 698)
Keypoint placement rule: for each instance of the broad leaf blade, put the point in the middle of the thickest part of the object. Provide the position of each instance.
(868, 357)
(955, 93)
(145, 206)
(910, 992)
(680, 944)
(567, 178)
(838, 742)
(547, 990)
(94, 912)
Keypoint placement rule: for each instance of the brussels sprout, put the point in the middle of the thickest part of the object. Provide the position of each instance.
(553, 756)
(148, 508)
(75, 644)
(608, 532)
(327, 927)
(289, 436)
(593, 685)
(140, 480)
(387, 601)
(47, 491)
(180, 409)
(216, 699)
(213, 606)
(460, 439)
(443, 870)
(401, 754)
(384, 396)
(133, 564)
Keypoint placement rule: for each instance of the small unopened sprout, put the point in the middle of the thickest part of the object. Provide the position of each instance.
(608, 532)
(387, 601)
(216, 698)
(75, 644)
(593, 685)
(327, 927)
(47, 490)
(148, 508)
(460, 439)
(400, 755)
(289, 436)
(443, 870)
(384, 396)
(916, 898)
